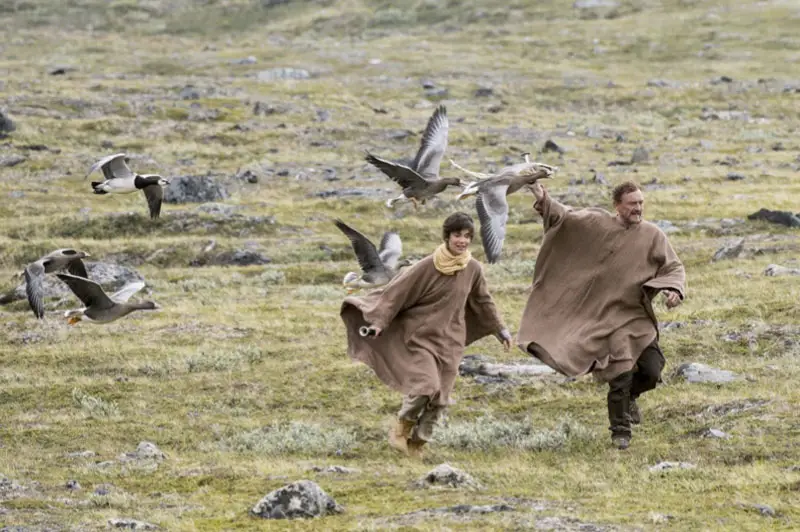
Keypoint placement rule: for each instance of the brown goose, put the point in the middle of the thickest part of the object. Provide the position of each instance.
(121, 180)
(490, 202)
(420, 180)
(100, 308)
(69, 259)
(378, 267)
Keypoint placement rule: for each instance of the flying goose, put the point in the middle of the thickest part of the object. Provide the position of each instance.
(490, 202)
(420, 180)
(121, 180)
(378, 267)
(100, 308)
(57, 260)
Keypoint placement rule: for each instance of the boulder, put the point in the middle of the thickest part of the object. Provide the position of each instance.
(301, 499)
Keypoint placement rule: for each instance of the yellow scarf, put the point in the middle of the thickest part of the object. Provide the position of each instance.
(448, 264)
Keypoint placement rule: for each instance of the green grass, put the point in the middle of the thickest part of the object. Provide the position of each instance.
(242, 379)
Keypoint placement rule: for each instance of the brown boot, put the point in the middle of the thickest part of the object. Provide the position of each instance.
(399, 434)
(415, 446)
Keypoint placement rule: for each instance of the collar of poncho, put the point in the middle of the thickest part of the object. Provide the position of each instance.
(448, 264)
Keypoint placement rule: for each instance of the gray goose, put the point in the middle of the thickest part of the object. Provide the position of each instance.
(69, 259)
(420, 180)
(100, 308)
(121, 180)
(378, 267)
(490, 202)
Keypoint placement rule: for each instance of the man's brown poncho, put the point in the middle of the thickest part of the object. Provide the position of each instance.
(427, 319)
(590, 308)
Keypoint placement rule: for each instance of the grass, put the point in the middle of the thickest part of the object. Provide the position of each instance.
(242, 379)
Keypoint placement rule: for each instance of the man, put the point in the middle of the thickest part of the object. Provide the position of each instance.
(590, 309)
(420, 322)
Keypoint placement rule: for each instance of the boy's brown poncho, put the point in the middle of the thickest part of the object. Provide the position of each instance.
(590, 308)
(427, 319)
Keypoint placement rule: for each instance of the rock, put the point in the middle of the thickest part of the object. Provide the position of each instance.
(274, 74)
(6, 124)
(427, 84)
(730, 250)
(640, 155)
(735, 176)
(486, 372)
(665, 466)
(732, 408)
(248, 176)
(774, 270)
(81, 454)
(111, 277)
(130, 524)
(7, 161)
(323, 115)
(189, 93)
(549, 145)
(666, 226)
(721, 79)
(715, 434)
(60, 70)
(241, 257)
(335, 469)
(697, 373)
(764, 509)
(300, 499)
(144, 451)
(777, 217)
(264, 108)
(348, 192)
(249, 60)
(662, 83)
(194, 189)
(483, 92)
(437, 92)
(445, 475)
(461, 510)
(72, 485)
(599, 178)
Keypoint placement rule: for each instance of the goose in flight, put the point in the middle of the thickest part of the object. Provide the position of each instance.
(100, 307)
(69, 259)
(420, 180)
(490, 202)
(119, 179)
(378, 267)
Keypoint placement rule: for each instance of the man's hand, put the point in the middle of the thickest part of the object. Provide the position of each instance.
(506, 344)
(505, 338)
(672, 297)
(537, 189)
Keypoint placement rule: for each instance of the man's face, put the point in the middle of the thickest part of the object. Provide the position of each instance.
(631, 207)
(458, 241)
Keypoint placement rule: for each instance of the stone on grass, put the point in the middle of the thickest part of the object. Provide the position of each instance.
(8, 161)
(695, 372)
(730, 250)
(666, 466)
(640, 155)
(301, 499)
(144, 451)
(6, 124)
(715, 434)
(445, 475)
(335, 469)
(774, 270)
(130, 524)
(274, 74)
(194, 189)
(786, 218)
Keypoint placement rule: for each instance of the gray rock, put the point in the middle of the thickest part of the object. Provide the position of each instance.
(437, 92)
(335, 469)
(274, 74)
(662, 83)
(445, 475)
(217, 209)
(194, 189)
(72, 485)
(349, 192)
(735, 176)
(323, 115)
(301, 499)
(730, 250)
(130, 524)
(593, 4)
(111, 277)
(640, 155)
(667, 226)
(460, 510)
(732, 408)
(774, 270)
(240, 257)
(189, 93)
(7, 161)
(6, 124)
(249, 60)
(699, 373)
(764, 509)
(786, 218)
(144, 451)
(483, 92)
(81, 454)
(666, 466)
(715, 434)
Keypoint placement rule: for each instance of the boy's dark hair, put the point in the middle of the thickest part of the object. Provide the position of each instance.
(458, 221)
(622, 189)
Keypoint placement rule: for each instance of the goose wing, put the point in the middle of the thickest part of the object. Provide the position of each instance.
(391, 249)
(34, 278)
(492, 208)
(433, 144)
(399, 173)
(89, 292)
(368, 258)
(154, 195)
(125, 293)
(78, 268)
(113, 166)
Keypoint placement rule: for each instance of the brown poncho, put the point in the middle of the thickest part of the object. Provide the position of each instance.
(427, 319)
(590, 308)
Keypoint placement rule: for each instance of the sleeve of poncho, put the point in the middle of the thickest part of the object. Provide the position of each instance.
(399, 294)
(552, 212)
(481, 315)
(671, 274)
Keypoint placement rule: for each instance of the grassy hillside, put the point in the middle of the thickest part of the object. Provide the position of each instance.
(242, 379)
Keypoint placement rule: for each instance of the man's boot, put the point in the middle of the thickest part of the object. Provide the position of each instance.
(415, 446)
(399, 434)
(619, 412)
(636, 415)
(621, 441)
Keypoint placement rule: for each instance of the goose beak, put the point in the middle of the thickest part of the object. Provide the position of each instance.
(73, 320)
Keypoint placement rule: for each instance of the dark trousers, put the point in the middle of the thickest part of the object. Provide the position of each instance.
(627, 387)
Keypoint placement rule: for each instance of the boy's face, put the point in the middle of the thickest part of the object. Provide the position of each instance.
(458, 241)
